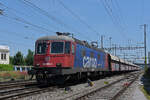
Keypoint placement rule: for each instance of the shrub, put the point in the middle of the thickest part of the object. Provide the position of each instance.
(6, 75)
(13, 75)
(6, 67)
(147, 72)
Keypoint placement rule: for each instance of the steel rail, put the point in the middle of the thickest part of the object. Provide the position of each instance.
(12, 82)
(124, 89)
(2, 87)
(25, 93)
(80, 97)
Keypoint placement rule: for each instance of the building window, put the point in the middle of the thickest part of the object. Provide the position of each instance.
(3, 56)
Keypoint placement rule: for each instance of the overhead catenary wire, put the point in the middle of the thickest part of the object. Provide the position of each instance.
(19, 12)
(17, 43)
(111, 13)
(19, 19)
(19, 37)
(53, 18)
(107, 11)
(17, 34)
(22, 20)
(14, 46)
(25, 26)
(116, 20)
(120, 16)
(142, 17)
(78, 17)
(41, 11)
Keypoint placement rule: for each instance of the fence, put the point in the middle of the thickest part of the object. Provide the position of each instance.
(22, 68)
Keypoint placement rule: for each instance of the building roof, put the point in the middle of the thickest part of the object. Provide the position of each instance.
(4, 48)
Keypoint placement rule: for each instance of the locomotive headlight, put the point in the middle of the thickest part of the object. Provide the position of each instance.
(47, 58)
(37, 65)
(58, 65)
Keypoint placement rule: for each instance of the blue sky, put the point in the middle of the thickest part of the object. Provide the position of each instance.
(21, 24)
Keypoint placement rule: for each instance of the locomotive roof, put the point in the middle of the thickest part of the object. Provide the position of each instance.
(67, 38)
(114, 57)
(62, 37)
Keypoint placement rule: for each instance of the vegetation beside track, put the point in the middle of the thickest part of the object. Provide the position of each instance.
(6, 67)
(13, 75)
(147, 72)
(145, 80)
(145, 92)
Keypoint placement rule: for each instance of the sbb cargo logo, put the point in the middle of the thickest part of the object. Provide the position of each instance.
(89, 62)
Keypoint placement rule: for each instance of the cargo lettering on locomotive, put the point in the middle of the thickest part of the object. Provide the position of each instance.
(89, 62)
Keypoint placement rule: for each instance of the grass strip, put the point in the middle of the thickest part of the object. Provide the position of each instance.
(145, 92)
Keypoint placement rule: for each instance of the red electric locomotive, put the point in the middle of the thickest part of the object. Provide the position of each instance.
(53, 56)
(59, 58)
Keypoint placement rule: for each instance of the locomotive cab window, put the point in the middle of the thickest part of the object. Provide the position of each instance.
(73, 49)
(57, 47)
(67, 48)
(41, 48)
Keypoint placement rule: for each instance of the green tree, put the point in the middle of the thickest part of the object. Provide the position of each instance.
(18, 59)
(29, 57)
(11, 60)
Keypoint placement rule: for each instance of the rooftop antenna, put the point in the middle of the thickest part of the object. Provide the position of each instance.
(94, 44)
(64, 33)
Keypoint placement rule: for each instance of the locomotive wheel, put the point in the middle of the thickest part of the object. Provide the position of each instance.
(60, 79)
(41, 78)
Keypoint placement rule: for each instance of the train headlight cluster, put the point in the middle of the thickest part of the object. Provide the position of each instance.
(47, 58)
(58, 65)
(37, 65)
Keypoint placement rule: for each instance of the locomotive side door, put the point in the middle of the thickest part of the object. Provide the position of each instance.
(72, 54)
(69, 53)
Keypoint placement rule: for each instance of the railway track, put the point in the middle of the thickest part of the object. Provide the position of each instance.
(119, 93)
(20, 93)
(22, 90)
(18, 89)
(7, 85)
(108, 92)
(10, 82)
(99, 92)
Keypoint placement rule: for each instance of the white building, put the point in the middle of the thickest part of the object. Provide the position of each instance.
(4, 54)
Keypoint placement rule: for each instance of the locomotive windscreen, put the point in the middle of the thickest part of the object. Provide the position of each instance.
(57, 47)
(41, 48)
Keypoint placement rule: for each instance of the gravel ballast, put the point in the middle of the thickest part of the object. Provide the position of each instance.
(76, 90)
